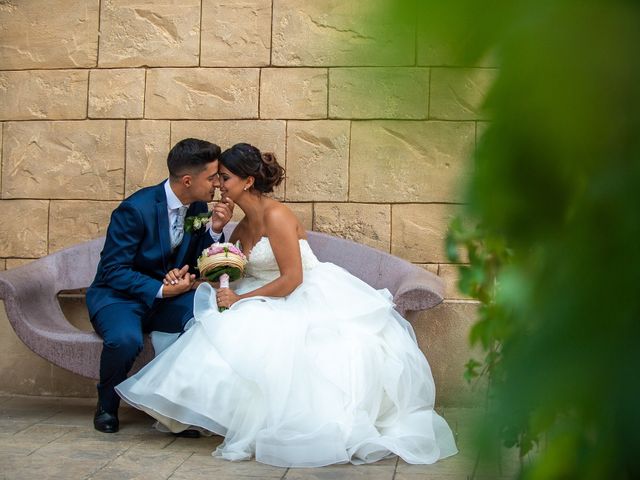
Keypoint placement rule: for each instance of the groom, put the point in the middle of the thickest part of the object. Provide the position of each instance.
(145, 241)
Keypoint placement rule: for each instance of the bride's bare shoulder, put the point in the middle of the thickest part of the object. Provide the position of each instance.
(278, 216)
(278, 212)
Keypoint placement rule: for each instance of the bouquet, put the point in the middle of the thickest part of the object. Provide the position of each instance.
(222, 261)
(221, 258)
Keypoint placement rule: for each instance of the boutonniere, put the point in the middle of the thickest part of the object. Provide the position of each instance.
(196, 223)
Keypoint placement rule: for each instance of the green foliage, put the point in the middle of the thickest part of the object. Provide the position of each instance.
(556, 190)
(215, 273)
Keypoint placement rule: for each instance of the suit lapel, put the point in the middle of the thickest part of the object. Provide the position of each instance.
(163, 226)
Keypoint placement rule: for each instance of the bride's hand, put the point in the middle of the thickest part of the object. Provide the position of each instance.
(226, 297)
(221, 214)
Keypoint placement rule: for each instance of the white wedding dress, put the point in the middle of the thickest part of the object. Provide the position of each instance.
(329, 374)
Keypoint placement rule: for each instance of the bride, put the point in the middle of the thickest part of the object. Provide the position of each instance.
(309, 366)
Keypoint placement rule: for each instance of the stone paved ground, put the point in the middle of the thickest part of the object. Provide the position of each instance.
(53, 438)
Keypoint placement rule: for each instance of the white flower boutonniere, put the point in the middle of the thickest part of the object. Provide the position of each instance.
(196, 223)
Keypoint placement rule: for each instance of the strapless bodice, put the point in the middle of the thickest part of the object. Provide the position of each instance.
(262, 262)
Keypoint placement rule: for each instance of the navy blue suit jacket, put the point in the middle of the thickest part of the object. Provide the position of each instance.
(137, 250)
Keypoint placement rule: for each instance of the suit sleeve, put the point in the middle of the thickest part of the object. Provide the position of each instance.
(123, 239)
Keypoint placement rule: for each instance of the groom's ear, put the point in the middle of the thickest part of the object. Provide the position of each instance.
(186, 180)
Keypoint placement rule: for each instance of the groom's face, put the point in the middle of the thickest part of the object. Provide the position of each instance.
(203, 185)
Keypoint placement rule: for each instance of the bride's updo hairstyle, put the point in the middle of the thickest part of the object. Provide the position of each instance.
(245, 160)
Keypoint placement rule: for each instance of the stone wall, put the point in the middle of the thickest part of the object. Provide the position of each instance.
(374, 127)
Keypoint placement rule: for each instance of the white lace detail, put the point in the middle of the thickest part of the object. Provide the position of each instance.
(262, 263)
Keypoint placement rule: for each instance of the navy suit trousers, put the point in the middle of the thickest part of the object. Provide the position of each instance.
(121, 326)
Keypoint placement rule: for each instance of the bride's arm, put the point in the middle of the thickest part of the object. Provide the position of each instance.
(281, 228)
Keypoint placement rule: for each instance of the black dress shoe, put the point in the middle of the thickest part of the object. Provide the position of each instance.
(105, 421)
(188, 433)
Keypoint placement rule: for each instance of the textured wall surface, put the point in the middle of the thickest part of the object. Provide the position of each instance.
(374, 126)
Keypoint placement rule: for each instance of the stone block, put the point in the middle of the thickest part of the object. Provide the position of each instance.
(429, 267)
(154, 33)
(267, 135)
(369, 224)
(26, 373)
(55, 94)
(450, 274)
(24, 227)
(66, 159)
(442, 333)
(398, 93)
(419, 231)
(148, 144)
(76, 221)
(202, 93)
(458, 93)
(318, 160)
(17, 262)
(405, 161)
(236, 33)
(49, 34)
(116, 93)
(481, 128)
(304, 212)
(335, 32)
(433, 49)
(293, 93)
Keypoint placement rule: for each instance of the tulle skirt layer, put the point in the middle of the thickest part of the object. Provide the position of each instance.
(329, 374)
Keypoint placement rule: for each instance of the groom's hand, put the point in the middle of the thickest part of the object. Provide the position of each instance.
(221, 214)
(177, 281)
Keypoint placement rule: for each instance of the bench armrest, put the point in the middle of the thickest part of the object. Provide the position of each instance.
(419, 290)
(29, 293)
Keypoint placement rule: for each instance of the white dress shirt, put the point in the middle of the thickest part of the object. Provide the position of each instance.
(173, 207)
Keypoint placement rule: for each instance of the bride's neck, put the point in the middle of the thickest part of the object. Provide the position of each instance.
(253, 207)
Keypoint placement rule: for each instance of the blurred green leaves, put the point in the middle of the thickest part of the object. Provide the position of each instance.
(555, 189)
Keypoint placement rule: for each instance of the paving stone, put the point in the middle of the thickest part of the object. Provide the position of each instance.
(200, 466)
(339, 472)
(142, 464)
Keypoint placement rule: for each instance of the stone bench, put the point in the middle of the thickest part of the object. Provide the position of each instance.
(30, 293)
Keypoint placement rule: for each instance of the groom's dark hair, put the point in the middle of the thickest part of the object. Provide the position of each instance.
(191, 156)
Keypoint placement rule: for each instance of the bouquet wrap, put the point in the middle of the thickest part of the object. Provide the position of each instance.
(222, 258)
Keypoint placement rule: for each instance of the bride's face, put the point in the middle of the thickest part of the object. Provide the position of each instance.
(231, 185)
